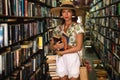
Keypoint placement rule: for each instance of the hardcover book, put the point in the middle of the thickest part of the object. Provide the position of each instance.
(57, 39)
(63, 39)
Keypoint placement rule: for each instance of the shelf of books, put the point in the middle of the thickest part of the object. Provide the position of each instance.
(24, 31)
(105, 17)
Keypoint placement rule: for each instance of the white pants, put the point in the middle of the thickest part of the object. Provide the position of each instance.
(68, 64)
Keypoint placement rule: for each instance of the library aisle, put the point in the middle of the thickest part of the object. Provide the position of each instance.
(90, 55)
(96, 70)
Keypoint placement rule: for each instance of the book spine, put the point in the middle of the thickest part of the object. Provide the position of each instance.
(1, 7)
(1, 66)
(26, 7)
(12, 7)
(40, 42)
(1, 36)
(16, 7)
(22, 7)
(5, 26)
(9, 34)
(6, 7)
(9, 8)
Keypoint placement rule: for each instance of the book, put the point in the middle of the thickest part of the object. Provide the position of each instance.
(26, 7)
(9, 8)
(1, 65)
(51, 57)
(5, 38)
(57, 39)
(40, 42)
(1, 36)
(65, 40)
(5, 7)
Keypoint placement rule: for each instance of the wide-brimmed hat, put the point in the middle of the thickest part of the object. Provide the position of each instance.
(66, 5)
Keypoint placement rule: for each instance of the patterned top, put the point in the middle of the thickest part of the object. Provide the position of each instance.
(73, 29)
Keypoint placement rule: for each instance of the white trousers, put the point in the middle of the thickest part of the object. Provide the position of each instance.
(68, 64)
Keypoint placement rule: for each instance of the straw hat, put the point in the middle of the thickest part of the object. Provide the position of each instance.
(66, 5)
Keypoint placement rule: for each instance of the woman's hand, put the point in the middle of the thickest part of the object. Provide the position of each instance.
(60, 53)
(59, 45)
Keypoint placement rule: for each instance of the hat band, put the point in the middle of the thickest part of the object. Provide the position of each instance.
(67, 5)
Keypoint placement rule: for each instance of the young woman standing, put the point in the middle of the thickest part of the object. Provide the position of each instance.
(67, 60)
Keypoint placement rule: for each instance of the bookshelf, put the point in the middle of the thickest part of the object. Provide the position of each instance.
(24, 31)
(104, 16)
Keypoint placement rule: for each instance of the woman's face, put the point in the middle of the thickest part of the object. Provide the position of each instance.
(67, 14)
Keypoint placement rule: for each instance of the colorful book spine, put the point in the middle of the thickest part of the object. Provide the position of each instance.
(40, 42)
(1, 36)
(5, 33)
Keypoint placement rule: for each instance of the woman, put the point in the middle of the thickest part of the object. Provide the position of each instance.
(67, 61)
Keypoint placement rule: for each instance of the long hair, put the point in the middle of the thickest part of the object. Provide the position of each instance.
(74, 19)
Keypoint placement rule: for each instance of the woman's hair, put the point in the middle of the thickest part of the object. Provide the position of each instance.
(74, 19)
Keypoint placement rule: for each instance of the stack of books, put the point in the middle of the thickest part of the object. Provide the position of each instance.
(51, 61)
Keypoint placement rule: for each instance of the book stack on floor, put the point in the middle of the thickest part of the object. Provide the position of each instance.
(101, 73)
(51, 61)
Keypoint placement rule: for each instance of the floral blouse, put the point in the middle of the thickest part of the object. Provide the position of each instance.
(73, 29)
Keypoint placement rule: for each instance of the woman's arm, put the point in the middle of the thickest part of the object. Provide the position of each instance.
(56, 46)
(78, 47)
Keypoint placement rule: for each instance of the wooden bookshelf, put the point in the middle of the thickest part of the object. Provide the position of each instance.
(104, 16)
(22, 22)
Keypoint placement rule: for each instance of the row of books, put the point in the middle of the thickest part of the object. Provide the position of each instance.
(113, 10)
(106, 32)
(11, 61)
(52, 3)
(108, 2)
(112, 60)
(13, 33)
(108, 22)
(78, 2)
(104, 2)
(106, 39)
(109, 34)
(106, 11)
(96, 7)
(36, 10)
(108, 27)
(21, 59)
(26, 72)
(18, 54)
(95, 1)
(22, 8)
